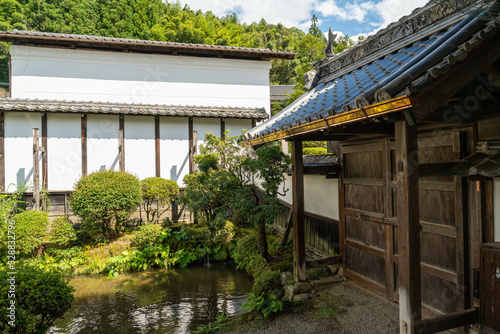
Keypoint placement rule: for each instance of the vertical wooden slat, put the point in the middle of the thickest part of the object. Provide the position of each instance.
(45, 162)
(84, 145)
(410, 308)
(486, 199)
(462, 249)
(254, 123)
(342, 208)
(157, 146)
(222, 128)
(2, 152)
(389, 229)
(191, 153)
(121, 143)
(36, 170)
(299, 250)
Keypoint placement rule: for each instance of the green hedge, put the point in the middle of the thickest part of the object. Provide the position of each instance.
(31, 227)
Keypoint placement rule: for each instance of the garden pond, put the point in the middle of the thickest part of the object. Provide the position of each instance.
(161, 301)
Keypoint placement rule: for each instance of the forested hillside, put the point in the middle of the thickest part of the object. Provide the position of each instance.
(164, 21)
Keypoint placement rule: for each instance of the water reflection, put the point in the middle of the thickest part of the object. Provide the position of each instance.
(173, 301)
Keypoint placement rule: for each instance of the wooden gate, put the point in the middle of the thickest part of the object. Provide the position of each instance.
(368, 224)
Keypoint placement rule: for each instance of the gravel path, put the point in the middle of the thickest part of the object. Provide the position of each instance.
(342, 308)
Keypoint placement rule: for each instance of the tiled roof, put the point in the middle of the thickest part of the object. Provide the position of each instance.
(398, 70)
(279, 92)
(13, 104)
(485, 162)
(321, 160)
(71, 40)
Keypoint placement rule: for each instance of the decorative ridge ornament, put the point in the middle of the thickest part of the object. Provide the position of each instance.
(329, 49)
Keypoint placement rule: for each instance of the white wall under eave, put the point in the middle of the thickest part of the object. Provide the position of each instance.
(321, 195)
(102, 143)
(204, 126)
(174, 148)
(140, 146)
(64, 157)
(19, 148)
(84, 75)
(496, 207)
(236, 125)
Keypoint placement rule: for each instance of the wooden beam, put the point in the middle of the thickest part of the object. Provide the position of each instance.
(191, 155)
(2, 152)
(323, 137)
(325, 262)
(157, 146)
(438, 93)
(289, 224)
(388, 212)
(36, 169)
(342, 208)
(410, 308)
(299, 246)
(321, 170)
(121, 143)
(84, 145)
(45, 160)
(360, 128)
(222, 128)
(254, 123)
(450, 321)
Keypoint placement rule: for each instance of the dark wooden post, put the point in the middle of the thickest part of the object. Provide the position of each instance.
(45, 161)
(2, 152)
(157, 145)
(84, 145)
(410, 308)
(190, 130)
(121, 144)
(254, 123)
(222, 128)
(299, 246)
(36, 170)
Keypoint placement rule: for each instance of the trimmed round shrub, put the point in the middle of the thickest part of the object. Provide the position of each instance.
(40, 298)
(31, 227)
(267, 282)
(62, 233)
(157, 194)
(146, 236)
(102, 197)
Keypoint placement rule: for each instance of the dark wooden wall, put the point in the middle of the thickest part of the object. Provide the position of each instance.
(321, 233)
(368, 228)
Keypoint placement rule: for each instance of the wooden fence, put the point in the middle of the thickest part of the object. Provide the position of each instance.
(322, 233)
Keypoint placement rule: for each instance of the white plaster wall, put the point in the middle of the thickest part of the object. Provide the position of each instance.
(140, 146)
(19, 148)
(64, 150)
(235, 125)
(102, 143)
(321, 195)
(496, 207)
(56, 73)
(204, 125)
(174, 148)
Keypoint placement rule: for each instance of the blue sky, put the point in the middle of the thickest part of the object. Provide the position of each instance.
(350, 17)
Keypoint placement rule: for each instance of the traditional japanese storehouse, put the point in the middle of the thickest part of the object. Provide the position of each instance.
(414, 114)
(132, 105)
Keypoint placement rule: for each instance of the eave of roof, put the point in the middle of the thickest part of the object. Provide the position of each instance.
(63, 106)
(141, 46)
(379, 109)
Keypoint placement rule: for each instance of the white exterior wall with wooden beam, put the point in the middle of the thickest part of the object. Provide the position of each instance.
(84, 75)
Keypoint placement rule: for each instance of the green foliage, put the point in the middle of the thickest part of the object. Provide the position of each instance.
(102, 197)
(267, 282)
(30, 230)
(246, 255)
(157, 194)
(62, 232)
(328, 312)
(214, 326)
(263, 305)
(318, 273)
(146, 236)
(40, 298)
(314, 151)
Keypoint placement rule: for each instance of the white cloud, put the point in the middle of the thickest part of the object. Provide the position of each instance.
(290, 13)
(392, 10)
(351, 11)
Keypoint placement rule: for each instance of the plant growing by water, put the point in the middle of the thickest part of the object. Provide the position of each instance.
(158, 194)
(264, 305)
